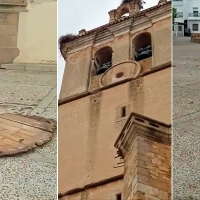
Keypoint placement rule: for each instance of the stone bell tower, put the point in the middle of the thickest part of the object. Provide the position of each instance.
(111, 71)
(127, 7)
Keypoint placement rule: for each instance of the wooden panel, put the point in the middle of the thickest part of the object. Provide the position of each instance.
(22, 133)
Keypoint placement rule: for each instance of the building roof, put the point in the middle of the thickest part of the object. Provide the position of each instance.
(135, 16)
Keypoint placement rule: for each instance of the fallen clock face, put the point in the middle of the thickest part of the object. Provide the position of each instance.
(20, 134)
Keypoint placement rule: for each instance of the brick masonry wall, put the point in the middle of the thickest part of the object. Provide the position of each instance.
(195, 37)
(147, 171)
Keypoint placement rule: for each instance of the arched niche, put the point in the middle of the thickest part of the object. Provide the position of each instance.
(124, 12)
(142, 46)
(102, 60)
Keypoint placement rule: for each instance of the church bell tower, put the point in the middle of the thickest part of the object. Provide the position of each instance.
(111, 71)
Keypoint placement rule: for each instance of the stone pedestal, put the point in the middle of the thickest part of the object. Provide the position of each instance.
(145, 146)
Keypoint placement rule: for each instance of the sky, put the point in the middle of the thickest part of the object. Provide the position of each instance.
(74, 15)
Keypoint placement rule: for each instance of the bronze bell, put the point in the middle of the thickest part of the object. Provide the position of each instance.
(144, 53)
(102, 69)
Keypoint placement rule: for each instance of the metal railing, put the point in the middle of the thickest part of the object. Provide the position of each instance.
(194, 14)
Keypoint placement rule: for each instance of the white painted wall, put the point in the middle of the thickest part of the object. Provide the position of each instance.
(186, 6)
(37, 33)
(190, 23)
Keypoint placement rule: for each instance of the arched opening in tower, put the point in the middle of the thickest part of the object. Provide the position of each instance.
(103, 60)
(124, 12)
(142, 46)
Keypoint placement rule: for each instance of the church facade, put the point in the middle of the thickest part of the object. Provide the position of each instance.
(114, 109)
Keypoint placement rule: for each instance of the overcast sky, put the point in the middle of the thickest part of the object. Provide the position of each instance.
(74, 15)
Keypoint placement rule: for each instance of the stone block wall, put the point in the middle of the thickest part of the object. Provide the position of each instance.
(145, 146)
(148, 171)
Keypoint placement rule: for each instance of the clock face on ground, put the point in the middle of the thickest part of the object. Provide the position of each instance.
(20, 134)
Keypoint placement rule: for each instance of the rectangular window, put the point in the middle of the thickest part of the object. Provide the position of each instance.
(195, 11)
(123, 111)
(195, 27)
(180, 28)
(119, 196)
(179, 14)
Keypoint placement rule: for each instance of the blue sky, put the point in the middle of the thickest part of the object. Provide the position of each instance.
(74, 15)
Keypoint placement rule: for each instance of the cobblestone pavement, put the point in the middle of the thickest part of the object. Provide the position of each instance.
(33, 175)
(186, 114)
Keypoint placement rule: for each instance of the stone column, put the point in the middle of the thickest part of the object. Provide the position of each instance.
(145, 146)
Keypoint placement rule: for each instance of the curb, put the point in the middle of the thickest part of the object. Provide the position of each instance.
(30, 67)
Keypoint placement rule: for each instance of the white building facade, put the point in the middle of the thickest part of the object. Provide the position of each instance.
(188, 16)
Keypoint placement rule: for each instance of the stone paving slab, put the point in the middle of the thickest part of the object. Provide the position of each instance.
(33, 175)
(186, 163)
(195, 121)
(27, 78)
(185, 98)
(26, 179)
(186, 114)
(53, 103)
(26, 95)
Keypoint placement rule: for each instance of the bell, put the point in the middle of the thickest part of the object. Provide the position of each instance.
(144, 53)
(102, 69)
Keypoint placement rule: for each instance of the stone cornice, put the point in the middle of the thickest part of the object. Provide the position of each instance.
(103, 36)
(80, 44)
(14, 10)
(12, 4)
(13, 7)
(87, 93)
(123, 25)
(116, 29)
(92, 185)
(160, 14)
(139, 125)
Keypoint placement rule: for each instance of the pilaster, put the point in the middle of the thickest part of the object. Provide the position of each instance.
(9, 20)
(145, 146)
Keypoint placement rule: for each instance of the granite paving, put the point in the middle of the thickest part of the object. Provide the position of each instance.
(186, 119)
(32, 175)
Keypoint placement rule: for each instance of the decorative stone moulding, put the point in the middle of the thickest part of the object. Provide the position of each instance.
(15, 6)
(120, 72)
(20, 134)
(82, 32)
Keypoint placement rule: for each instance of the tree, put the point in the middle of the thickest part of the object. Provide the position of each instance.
(174, 14)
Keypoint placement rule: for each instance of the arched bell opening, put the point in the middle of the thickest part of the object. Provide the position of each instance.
(142, 47)
(103, 60)
(124, 12)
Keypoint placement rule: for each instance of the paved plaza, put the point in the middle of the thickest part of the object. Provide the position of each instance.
(186, 114)
(33, 175)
